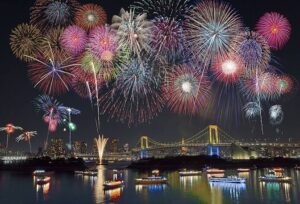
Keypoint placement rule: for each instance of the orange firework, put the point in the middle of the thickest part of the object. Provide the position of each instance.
(89, 16)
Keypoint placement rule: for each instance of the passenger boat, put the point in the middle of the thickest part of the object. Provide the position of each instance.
(229, 179)
(113, 184)
(152, 180)
(272, 177)
(41, 172)
(243, 170)
(43, 180)
(278, 169)
(215, 171)
(90, 173)
(189, 173)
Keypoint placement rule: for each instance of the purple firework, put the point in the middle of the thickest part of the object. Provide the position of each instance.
(74, 39)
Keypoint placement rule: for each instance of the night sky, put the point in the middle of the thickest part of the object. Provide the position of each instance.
(17, 91)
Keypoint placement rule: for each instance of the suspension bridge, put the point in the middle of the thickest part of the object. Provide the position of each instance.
(212, 140)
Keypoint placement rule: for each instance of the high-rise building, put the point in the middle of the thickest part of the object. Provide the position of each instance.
(56, 148)
(114, 146)
(126, 147)
(80, 147)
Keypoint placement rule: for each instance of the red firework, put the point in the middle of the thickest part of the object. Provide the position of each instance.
(52, 76)
(10, 128)
(186, 90)
(284, 84)
(74, 40)
(228, 69)
(89, 16)
(275, 28)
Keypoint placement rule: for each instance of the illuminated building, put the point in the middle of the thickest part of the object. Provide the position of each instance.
(56, 148)
(80, 147)
(114, 145)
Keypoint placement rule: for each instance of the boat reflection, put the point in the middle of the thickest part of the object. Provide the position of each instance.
(234, 190)
(150, 188)
(274, 190)
(113, 194)
(45, 189)
(187, 182)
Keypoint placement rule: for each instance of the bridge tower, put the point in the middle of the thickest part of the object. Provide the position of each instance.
(213, 140)
(213, 134)
(144, 146)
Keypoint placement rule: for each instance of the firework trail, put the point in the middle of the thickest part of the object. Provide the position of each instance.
(101, 143)
(26, 136)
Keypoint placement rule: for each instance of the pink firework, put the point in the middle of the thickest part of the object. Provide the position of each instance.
(284, 84)
(74, 40)
(275, 28)
(186, 90)
(103, 44)
(228, 68)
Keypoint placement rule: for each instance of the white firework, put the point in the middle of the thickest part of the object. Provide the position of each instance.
(276, 115)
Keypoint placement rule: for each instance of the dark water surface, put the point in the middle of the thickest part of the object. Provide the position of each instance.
(16, 188)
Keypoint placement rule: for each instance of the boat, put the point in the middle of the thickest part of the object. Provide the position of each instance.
(113, 184)
(228, 179)
(151, 180)
(215, 171)
(90, 173)
(43, 180)
(278, 169)
(243, 170)
(272, 177)
(41, 172)
(189, 173)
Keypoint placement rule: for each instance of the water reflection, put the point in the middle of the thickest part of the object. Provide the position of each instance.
(234, 190)
(273, 190)
(187, 182)
(98, 190)
(150, 188)
(45, 189)
(113, 194)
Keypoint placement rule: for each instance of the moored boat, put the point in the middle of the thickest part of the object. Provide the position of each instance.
(272, 177)
(243, 170)
(189, 173)
(151, 180)
(229, 179)
(41, 172)
(215, 171)
(113, 184)
(43, 180)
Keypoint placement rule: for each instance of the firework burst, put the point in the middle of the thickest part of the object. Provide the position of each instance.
(9, 129)
(163, 8)
(26, 136)
(228, 68)
(252, 110)
(133, 31)
(25, 39)
(276, 115)
(260, 86)
(52, 39)
(254, 51)
(135, 97)
(211, 29)
(167, 37)
(186, 90)
(51, 13)
(275, 28)
(52, 76)
(284, 84)
(89, 16)
(74, 40)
